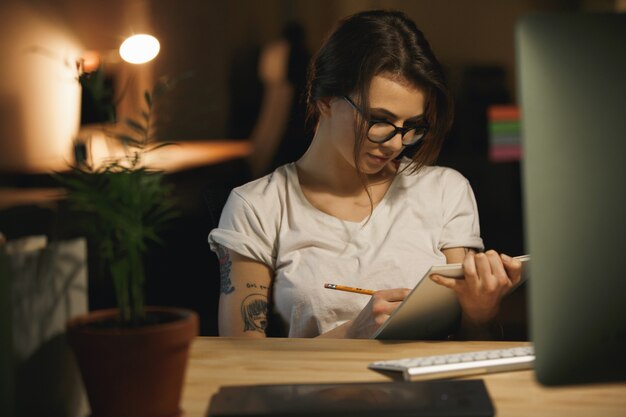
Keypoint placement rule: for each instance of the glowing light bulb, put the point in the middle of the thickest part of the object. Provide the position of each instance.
(139, 49)
(90, 61)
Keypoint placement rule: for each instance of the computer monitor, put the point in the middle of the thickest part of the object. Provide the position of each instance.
(572, 90)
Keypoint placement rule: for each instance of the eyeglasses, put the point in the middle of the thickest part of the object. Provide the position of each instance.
(380, 131)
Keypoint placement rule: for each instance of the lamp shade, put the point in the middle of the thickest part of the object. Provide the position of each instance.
(139, 49)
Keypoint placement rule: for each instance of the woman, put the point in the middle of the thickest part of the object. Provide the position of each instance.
(353, 210)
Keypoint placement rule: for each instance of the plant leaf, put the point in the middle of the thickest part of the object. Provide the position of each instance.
(148, 99)
(127, 140)
(135, 125)
(161, 145)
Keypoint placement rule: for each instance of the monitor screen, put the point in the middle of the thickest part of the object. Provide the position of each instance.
(572, 88)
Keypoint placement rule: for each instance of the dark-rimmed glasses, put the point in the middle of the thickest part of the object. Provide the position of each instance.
(380, 131)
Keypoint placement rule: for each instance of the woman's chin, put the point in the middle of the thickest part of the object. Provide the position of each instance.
(373, 165)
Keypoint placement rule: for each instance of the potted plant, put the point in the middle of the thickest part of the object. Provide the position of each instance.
(132, 358)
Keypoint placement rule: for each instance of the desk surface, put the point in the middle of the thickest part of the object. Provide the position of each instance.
(230, 361)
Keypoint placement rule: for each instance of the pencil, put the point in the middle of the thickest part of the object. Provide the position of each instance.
(348, 289)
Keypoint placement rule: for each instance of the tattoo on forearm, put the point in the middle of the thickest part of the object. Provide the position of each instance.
(254, 313)
(226, 286)
(253, 285)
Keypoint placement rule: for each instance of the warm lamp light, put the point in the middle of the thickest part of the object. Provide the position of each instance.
(139, 49)
(90, 61)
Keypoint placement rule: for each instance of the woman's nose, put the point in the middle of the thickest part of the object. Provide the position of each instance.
(394, 143)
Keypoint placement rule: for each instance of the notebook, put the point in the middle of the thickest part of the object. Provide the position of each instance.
(430, 310)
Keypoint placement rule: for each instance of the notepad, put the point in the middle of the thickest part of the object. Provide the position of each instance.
(431, 310)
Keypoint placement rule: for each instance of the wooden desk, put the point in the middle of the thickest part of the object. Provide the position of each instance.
(230, 361)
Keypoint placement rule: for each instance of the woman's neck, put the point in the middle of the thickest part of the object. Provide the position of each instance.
(323, 167)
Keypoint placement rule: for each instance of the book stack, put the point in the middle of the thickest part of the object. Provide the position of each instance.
(504, 133)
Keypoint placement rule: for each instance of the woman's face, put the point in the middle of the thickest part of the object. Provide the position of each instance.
(391, 99)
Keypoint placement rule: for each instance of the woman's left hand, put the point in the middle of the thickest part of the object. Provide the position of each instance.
(488, 277)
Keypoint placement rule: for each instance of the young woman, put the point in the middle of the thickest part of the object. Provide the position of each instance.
(354, 209)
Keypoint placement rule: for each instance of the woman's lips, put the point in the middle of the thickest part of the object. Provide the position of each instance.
(380, 159)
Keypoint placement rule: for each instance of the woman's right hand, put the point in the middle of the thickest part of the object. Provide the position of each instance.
(376, 312)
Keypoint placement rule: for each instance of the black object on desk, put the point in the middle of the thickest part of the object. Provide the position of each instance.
(390, 399)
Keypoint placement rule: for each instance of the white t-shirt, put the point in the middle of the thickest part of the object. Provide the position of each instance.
(271, 221)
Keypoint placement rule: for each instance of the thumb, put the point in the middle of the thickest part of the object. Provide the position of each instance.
(446, 282)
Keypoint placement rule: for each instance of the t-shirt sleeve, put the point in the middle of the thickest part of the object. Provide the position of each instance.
(461, 227)
(245, 230)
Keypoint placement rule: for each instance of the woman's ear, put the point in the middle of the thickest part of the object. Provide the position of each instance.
(323, 106)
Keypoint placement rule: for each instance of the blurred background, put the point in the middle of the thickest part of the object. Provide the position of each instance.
(236, 112)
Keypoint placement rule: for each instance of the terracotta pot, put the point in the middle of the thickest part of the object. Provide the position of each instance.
(135, 372)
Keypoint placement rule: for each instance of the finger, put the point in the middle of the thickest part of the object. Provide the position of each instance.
(383, 307)
(513, 268)
(380, 319)
(384, 302)
(393, 294)
(483, 265)
(453, 284)
(497, 269)
(489, 281)
(470, 273)
(486, 280)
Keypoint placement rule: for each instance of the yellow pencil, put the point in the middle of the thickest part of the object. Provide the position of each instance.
(348, 289)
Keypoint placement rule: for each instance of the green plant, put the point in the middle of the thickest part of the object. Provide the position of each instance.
(129, 204)
(97, 101)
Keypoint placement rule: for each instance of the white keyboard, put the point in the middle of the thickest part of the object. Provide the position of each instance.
(454, 365)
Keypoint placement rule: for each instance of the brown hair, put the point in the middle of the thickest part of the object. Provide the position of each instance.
(370, 43)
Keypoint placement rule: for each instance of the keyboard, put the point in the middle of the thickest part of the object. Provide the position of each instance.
(461, 364)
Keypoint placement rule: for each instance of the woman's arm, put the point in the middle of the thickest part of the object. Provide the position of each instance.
(244, 292)
(488, 277)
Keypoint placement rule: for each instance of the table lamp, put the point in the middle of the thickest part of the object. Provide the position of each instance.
(98, 104)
